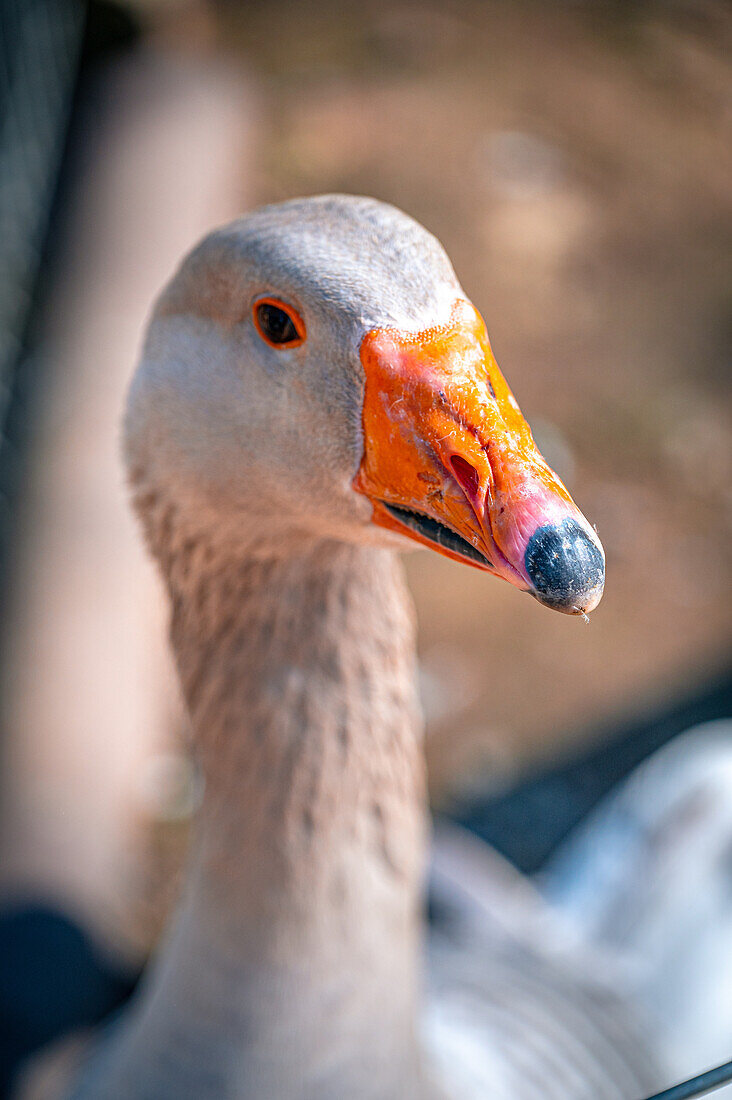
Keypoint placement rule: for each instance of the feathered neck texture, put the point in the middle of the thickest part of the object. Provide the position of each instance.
(291, 968)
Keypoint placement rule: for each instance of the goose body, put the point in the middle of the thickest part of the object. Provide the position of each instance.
(315, 391)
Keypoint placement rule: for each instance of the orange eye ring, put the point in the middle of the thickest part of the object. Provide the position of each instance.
(278, 323)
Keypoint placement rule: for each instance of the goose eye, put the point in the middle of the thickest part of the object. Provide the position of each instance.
(277, 323)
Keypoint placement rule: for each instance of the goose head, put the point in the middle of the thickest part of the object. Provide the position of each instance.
(315, 370)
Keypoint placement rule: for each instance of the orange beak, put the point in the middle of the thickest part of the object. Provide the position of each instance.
(450, 461)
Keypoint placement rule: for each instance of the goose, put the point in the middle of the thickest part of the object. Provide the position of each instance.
(315, 395)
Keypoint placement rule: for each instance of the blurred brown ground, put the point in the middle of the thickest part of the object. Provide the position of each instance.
(574, 159)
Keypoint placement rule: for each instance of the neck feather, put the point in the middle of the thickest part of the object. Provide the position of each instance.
(291, 968)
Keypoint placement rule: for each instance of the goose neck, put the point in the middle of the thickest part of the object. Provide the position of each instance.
(294, 955)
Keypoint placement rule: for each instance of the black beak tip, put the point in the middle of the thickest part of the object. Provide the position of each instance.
(565, 566)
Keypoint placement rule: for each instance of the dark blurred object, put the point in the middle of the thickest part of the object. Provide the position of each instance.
(53, 980)
(527, 823)
(46, 46)
(41, 45)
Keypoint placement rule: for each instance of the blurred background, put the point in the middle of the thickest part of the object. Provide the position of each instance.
(574, 159)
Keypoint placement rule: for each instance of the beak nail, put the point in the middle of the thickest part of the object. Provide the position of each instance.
(564, 565)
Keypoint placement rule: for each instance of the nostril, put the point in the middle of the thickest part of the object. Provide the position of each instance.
(467, 476)
(563, 563)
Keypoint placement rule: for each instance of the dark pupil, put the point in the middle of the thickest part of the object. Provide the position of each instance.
(276, 325)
